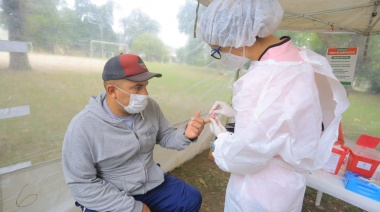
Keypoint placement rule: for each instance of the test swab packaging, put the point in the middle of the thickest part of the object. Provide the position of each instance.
(362, 185)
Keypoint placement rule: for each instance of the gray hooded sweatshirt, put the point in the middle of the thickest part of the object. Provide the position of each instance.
(105, 162)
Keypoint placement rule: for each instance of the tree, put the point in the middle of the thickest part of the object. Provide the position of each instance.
(43, 24)
(15, 15)
(186, 19)
(370, 72)
(195, 47)
(83, 6)
(309, 40)
(138, 23)
(99, 20)
(150, 47)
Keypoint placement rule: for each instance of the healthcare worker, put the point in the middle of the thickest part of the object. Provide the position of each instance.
(287, 107)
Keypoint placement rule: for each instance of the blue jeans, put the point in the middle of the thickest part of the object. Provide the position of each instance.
(173, 195)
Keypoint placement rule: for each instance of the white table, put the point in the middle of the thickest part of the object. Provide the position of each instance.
(331, 184)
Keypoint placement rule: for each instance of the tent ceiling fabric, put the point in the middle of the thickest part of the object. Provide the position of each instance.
(357, 16)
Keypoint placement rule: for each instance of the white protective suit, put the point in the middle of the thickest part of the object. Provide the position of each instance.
(279, 106)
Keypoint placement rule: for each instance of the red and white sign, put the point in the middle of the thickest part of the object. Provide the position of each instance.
(343, 63)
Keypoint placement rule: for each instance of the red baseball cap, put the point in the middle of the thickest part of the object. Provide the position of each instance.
(127, 66)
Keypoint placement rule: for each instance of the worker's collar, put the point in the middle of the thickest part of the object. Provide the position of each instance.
(283, 39)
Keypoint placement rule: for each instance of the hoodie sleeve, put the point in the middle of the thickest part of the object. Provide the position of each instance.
(86, 188)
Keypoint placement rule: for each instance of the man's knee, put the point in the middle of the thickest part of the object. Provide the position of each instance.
(193, 198)
(197, 195)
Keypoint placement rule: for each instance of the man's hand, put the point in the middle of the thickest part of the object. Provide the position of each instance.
(195, 126)
(145, 208)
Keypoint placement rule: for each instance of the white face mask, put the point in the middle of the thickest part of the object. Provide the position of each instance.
(233, 61)
(137, 102)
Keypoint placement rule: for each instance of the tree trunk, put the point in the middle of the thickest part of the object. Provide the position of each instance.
(16, 20)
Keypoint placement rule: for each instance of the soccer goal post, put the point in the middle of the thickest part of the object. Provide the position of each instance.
(105, 49)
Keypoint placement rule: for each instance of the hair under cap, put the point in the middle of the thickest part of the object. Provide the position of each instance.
(236, 23)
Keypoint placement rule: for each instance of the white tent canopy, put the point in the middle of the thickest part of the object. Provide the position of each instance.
(332, 16)
(357, 16)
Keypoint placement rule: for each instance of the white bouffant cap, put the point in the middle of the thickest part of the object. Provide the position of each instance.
(236, 23)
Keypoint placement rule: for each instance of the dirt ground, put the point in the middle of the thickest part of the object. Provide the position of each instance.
(212, 182)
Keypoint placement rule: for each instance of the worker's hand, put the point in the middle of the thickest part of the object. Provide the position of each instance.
(216, 126)
(222, 108)
(145, 208)
(195, 126)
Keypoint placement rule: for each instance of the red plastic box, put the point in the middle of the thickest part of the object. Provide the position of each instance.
(364, 158)
(338, 153)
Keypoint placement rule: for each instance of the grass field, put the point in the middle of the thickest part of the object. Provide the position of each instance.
(363, 115)
(55, 96)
